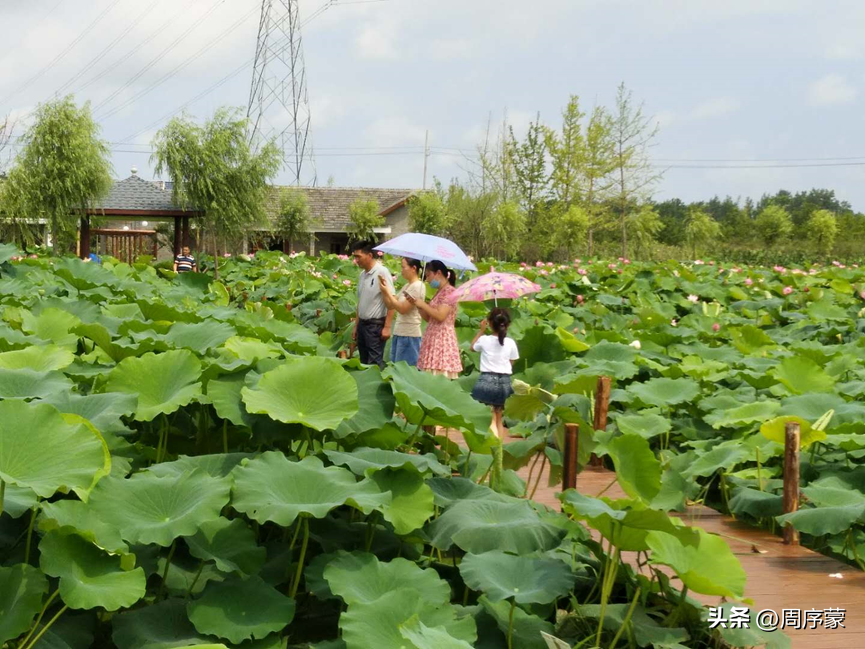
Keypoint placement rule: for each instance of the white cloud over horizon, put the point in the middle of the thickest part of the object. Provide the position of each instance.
(736, 79)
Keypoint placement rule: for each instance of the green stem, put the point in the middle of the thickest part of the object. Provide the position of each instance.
(30, 534)
(300, 560)
(511, 624)
(195, 579)
(296, 532)
(540, 473)
(167, 566)
(46, 627)
(466, 465)
(627, 618)
(759, 470)
(370, 530)
(2, 495)
(39, 619)
(417, 430)
(225, 436)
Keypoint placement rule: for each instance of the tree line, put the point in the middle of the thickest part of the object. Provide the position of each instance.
(582, 188)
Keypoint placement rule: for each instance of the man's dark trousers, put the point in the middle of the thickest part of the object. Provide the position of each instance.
(370, 345)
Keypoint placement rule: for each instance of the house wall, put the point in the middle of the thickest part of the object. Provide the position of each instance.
(398, 222)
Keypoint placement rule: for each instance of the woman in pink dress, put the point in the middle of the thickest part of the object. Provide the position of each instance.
(439, 350)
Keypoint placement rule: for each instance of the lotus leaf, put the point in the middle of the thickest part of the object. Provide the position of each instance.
(479, 526)
(646, 630)
(47, 452)
(18, 500)
(411, 499)
(527, 628)
(22, 588)
(366, 461)
(646, 425)
(74, 515)
(665, 392)
(448, 491)
(225, 395)
(424, 637)
(273, 488)
(721, 457)
(217, 465)
(164, 625)
(360, 578)
(748, 413)
(637, 469)
(230, 544)
(704, 562)
(30, 384)
(774, 430)
(102, 410)
(89, 578)
(44, 358)
(375, 404)
(241, 609)
(755, 503)
(52, 325)
(433, 399)
(252, 349)
(800, 375)
(163, 382)
(200, 337)
(286, 394)
(378, 623)
(152, 509)
(526, 580)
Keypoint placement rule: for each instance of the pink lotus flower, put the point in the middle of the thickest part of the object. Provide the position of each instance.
(716, 327)
(552, 286)
(580, 299)
(699, 262)
(379, 253)
(335, 276)
(748, 281)
(627, 261)
(577, 262)
(346, 282)
(544, 272)
(226, 255)
(693, 298)
(787, 290)
(549, 263)
(619, 271)
(538, 264)
(582, 271)
(523, 264)
(611, 266)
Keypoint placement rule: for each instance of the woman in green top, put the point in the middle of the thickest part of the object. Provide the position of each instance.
(405, 341)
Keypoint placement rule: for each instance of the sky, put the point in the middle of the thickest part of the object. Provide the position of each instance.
(751, 96)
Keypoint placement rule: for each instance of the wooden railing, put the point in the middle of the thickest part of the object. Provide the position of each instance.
(125, 245)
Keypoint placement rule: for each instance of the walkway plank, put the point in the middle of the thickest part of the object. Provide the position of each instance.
(779, 576)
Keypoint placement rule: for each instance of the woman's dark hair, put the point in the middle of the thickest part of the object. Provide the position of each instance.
(414, 263)
(438, 267)
(500, 320)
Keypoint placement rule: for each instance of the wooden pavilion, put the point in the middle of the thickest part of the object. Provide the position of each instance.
(135, 200)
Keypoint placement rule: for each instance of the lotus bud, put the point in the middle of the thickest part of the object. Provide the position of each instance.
(635, 344)
(521, 387)
(716, 327)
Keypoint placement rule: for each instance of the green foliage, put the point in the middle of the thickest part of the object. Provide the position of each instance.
(701, 231)
(427, 213)
(214, 171)
(62, 170)
(364, 215)
(294, 220)
(773, 224)
(822, 227)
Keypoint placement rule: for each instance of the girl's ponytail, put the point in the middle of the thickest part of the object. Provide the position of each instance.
(500, 320)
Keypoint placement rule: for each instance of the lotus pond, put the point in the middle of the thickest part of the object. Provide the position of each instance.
(190, 462)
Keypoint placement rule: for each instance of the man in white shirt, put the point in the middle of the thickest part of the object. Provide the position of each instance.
(372, 324)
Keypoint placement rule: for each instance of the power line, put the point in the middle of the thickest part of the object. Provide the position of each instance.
(107, 49)
(158, 58)
(64, 52)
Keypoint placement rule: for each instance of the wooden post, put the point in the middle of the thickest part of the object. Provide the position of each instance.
(602, 407)
(84, 237)
(791, 479)
(569, 460)
(184, 232)
(178, 244)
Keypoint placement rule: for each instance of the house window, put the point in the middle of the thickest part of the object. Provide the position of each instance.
(336, 247)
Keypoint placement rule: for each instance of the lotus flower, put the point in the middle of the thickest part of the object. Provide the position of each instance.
(748, 281)
(787, 290)
(346, 282)
(674, 323)
(582, 271)
(716, 327)
(635, 344)
(580, 299)
(693, 298)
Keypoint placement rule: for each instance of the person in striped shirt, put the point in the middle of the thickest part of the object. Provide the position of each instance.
(185, 262)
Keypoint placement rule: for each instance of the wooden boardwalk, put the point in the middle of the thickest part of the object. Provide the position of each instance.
(779, 576)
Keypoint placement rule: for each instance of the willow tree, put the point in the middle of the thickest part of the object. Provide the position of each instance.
(214, 171)
(61, 171)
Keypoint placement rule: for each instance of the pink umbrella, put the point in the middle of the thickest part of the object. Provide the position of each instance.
(493, 286)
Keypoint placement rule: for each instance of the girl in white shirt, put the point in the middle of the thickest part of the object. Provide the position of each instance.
(498, 354)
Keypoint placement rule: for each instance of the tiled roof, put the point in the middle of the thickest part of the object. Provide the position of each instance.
(329, 205)
(135, 193)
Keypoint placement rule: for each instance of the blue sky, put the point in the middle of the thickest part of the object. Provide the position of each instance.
(753, 80)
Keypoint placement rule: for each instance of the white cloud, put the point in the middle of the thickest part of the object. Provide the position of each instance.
(717, 107)
(376, 42)
(396, 130)
(830, 90)
(451, 49)
(844, 52)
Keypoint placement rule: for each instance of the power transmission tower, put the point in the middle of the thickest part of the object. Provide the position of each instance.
(278, 100)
